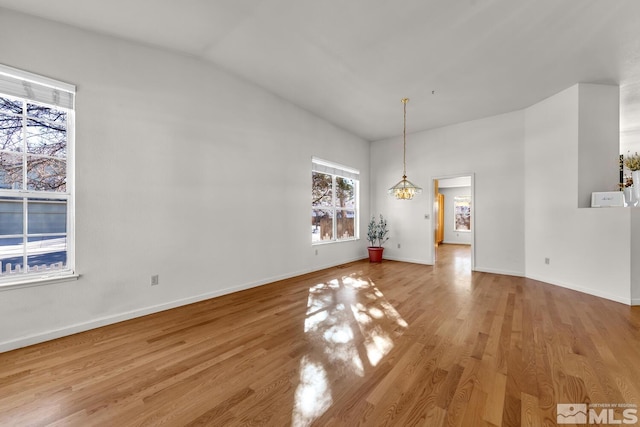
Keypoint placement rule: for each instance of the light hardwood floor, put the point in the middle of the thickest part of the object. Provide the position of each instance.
(360, 344)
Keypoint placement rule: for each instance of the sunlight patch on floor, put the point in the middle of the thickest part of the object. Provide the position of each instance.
(313, 395)
(336, 311)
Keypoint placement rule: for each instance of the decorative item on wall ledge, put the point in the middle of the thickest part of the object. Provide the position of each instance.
(377, 235)
(632, 162)
(607, 199)
(405, 189)
(627, 189)
(626, 186)
(622, 178)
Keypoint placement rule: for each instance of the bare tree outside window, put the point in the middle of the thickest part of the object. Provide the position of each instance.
(33, 168)
(333, 214)
(32, 136)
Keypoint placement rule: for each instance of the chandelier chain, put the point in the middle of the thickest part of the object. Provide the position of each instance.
(405, 189)
(404, 138)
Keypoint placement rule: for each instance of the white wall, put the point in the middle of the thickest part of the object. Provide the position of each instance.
(634, 255)
(450, 234)
(183, 171)
(599, 140)
(629, 113)
(589, 249)
(492, 148)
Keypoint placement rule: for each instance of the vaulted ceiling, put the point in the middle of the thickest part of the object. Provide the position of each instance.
(352, 61)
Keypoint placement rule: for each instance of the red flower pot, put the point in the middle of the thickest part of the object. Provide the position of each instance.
(375, 253)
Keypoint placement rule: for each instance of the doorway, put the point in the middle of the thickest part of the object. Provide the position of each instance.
(453, 218)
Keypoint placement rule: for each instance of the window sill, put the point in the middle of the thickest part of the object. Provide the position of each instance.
(328, 242)
(28, 282)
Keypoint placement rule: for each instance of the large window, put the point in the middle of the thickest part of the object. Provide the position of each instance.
(334, 206)
(36, 142)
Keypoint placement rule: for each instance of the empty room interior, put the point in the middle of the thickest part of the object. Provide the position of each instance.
(192, 196)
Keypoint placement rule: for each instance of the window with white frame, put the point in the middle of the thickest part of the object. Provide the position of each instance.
(334, 206)
(36, 177)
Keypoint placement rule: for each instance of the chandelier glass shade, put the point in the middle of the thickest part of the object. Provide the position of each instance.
(405, 189)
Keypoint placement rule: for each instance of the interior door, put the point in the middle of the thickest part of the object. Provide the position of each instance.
(438, 213)
(440, 224)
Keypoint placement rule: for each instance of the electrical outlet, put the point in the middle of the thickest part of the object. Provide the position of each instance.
(155, 280)
(398, 245)
(547, 261)
(316, 252)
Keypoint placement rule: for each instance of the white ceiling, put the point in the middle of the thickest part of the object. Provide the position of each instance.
(352, 61)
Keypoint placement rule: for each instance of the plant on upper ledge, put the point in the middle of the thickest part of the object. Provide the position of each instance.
(632, 162)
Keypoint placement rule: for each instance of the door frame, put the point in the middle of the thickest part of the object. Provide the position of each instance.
(432, 238)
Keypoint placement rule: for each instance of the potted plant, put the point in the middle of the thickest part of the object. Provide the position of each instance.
(377, 232)
(632, 162)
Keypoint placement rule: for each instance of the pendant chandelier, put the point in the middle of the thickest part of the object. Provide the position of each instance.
(405, 189)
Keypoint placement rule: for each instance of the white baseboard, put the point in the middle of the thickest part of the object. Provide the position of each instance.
(498, 271)
(584, 290)
(589, 291)
(413, 261)
(119, 317)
